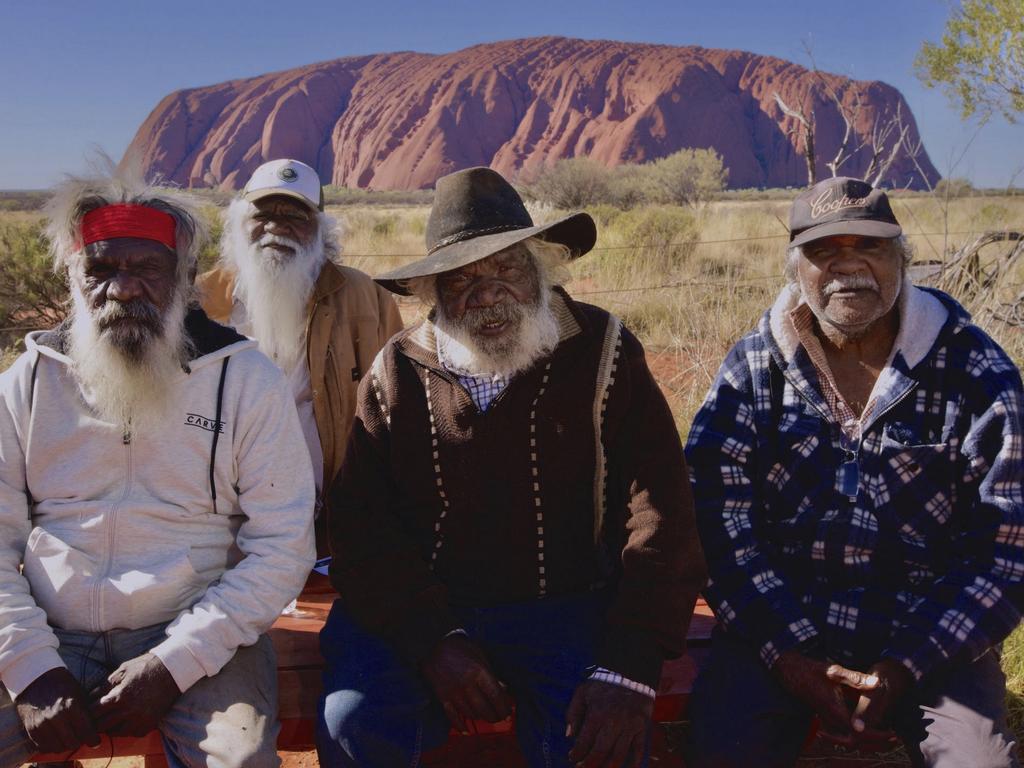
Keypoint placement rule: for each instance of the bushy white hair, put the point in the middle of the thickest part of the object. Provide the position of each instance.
(110, 184)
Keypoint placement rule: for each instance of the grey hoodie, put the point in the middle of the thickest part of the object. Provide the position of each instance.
(124, 532)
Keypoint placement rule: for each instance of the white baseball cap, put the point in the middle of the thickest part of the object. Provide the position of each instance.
(286, 177)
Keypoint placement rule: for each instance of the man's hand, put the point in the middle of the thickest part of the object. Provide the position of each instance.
(609, 723)
(458, 672)
(874, 704)
(54, 713)
(135, 697)
(826, 689)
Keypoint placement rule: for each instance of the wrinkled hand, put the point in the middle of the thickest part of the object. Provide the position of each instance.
(828, 690)
(610, 724)
(54, 713)
(874, 703)
(135, 697)
(462, 680)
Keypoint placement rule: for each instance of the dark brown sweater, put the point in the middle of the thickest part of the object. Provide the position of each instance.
(439, 504)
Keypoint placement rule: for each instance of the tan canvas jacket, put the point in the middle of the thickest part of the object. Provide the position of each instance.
(350, 319)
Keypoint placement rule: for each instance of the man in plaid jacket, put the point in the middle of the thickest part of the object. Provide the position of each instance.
(857, 468)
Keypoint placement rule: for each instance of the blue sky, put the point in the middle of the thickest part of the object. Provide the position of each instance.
(77, 75)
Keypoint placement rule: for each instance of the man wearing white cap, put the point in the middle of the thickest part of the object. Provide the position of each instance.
(279, 282)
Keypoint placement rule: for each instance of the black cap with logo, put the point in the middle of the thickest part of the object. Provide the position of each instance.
(841, 206)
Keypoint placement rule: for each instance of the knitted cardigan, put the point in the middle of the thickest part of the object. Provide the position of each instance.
(572, 480)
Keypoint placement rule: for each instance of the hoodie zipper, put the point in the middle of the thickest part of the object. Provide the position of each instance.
(831, 420)
(126, 441)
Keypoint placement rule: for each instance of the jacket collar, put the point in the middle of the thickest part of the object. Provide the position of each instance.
(923, 315)
(420, 343)
(330, 280)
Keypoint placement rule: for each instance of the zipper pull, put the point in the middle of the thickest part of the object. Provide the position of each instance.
(126, 438)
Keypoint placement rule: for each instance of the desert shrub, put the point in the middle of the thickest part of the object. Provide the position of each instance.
(22, 200)
(8, 355)
(662, 230)
(954, 187)
(574, 183)
(630, 186)
(604, 214)
(32, 295)
(385, 226)
(211, 250)
(687, 177)
(348, 197)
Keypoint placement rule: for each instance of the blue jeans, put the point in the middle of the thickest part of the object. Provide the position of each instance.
(377, 711)
(741, 716)
(225, 721)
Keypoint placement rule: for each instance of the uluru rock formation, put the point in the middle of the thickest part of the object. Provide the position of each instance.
(401, 120)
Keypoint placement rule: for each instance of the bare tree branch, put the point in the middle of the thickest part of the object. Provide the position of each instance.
(881, 132)
(848, 114)
(806, 131)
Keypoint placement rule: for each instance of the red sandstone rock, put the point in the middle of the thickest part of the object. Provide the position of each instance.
(401, 120)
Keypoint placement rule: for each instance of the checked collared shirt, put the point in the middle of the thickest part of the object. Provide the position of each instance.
(924, 561)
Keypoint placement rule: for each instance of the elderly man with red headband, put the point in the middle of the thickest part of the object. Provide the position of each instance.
(155, 500)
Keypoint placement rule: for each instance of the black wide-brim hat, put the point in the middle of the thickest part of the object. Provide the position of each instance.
(476, 213)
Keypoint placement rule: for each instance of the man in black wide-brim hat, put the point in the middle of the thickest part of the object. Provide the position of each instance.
(513, 522)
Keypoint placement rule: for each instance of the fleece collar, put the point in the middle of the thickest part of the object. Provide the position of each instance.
(922, 317)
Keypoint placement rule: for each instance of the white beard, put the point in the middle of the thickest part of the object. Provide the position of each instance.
(275, 290)
(468, 354)
(133, 391)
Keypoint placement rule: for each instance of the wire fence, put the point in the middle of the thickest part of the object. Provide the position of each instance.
(732, 280)
(659, 246)
(682, 283)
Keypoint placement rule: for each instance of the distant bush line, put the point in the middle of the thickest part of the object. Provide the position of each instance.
(578, 183)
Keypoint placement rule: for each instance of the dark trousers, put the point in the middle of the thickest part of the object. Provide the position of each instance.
(740, 716)
(377, 711)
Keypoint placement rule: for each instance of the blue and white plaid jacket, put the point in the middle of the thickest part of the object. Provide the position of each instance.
(926, 563)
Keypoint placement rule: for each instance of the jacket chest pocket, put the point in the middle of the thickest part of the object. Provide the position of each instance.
(796, 451)
(915, 487)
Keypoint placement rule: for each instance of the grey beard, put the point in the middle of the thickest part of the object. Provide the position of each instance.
(502, 346)
(533, 333)
(130, 328)
(127, 370)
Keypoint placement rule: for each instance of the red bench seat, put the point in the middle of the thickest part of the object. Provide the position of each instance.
(299, 668)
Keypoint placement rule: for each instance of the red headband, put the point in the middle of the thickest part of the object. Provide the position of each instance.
(128, 220)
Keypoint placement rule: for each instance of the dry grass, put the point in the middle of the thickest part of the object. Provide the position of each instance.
(689, 284)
